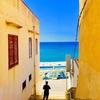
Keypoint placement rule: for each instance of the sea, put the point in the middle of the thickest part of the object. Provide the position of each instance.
(58, 51)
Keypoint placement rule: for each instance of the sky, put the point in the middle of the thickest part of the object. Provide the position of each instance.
(58, 19)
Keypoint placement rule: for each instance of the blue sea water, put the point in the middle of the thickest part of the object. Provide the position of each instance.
(57, 51)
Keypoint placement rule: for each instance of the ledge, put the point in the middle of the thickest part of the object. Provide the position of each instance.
(13, 24)
(32, 31)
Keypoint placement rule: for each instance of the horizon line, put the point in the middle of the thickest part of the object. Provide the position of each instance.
(59, 41)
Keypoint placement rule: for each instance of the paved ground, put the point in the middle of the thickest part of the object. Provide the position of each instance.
(58, 89)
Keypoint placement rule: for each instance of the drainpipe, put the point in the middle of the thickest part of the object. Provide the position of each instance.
(35, 72)
(34, 81)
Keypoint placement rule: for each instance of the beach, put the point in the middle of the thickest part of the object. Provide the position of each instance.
(62, 63)
(53, 70)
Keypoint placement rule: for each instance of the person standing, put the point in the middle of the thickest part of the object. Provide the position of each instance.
(46, 89)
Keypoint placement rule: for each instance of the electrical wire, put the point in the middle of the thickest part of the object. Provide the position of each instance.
(77, 29)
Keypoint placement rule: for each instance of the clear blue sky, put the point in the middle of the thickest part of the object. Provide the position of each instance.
(58, 19)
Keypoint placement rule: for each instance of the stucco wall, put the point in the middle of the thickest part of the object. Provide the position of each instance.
(89, 52)
(11, 80)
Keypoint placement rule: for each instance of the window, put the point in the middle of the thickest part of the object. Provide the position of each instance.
(30, 77)
(24, 85)
(12, 50)
(30, 47)
(36, 46)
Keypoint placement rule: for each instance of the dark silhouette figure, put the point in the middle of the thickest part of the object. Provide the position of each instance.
(46, 88)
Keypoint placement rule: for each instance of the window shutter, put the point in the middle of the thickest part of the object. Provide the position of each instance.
(12, 50)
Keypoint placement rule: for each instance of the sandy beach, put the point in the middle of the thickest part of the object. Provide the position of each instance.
(52, 70)
(62, 63)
